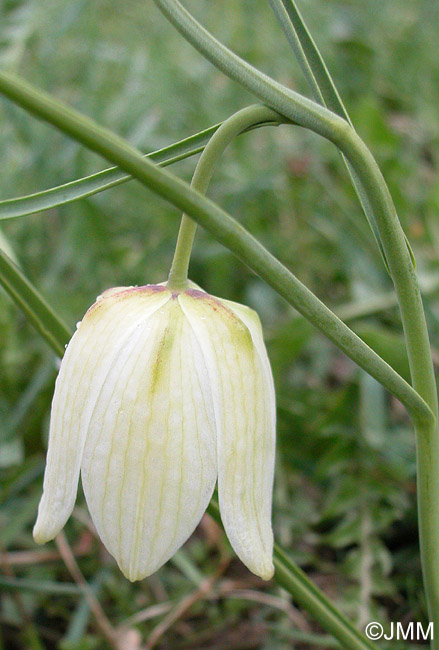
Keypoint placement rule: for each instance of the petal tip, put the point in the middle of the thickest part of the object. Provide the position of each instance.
(262, 567)
(132, 573)
(41, 535)
(132, 577)
(267, 572)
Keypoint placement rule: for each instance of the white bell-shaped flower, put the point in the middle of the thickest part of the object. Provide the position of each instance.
(159, 394)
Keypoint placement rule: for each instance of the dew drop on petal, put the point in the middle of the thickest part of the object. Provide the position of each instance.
(78, 324)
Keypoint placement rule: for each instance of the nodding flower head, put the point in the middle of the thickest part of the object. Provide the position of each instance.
(160, 394)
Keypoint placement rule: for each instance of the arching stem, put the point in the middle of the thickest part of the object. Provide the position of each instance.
(227, 132)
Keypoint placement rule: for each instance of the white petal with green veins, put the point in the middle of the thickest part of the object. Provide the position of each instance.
(251, 319)
(85, 364)
(149, 465)
(243, 396)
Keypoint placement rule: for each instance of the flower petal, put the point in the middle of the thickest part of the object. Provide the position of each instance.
(105, 328)
(251, 319)
(243, 393)
(149, 465)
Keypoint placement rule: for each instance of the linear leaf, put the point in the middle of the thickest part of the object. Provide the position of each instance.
(41, 586)
(104, 180)
(324, 91)
(308, 56)
(33, 305)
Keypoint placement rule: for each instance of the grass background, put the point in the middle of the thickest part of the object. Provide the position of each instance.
(345, 493)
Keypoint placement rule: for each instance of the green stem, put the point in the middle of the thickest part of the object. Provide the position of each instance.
(400, 265)
(33, 304)
(180, 264)
(421, 368)
(220, 140)
(427, 448)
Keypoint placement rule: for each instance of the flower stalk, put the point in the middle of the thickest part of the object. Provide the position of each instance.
(238, 123)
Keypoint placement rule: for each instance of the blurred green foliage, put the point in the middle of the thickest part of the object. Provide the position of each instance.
(345, 484)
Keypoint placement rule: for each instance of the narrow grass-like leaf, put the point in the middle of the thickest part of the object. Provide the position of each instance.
(104, 180)
(39, 312)
(40, 586)
(308, 56)
(324, 91)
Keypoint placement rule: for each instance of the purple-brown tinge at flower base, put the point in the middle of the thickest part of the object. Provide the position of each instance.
(159, 394)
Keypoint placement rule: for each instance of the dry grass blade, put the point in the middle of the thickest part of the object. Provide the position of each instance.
(102, 621)
(184, 605)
